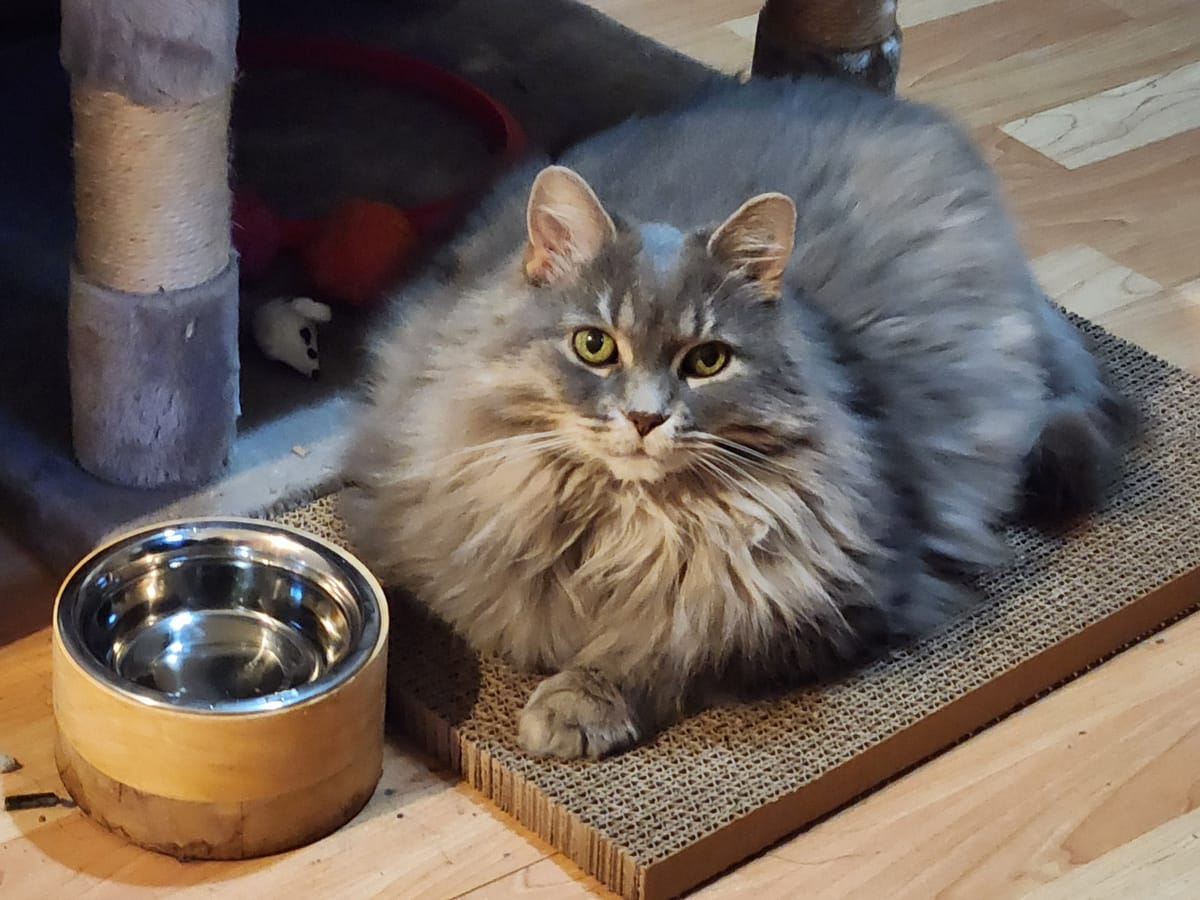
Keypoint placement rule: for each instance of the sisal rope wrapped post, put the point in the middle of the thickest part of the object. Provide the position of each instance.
(153, 308)
(858, 40)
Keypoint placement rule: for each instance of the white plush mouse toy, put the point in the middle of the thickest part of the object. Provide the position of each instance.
(286, 330)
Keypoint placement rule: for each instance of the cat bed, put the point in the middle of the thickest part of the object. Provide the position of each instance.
(304, 140)
(723, 785)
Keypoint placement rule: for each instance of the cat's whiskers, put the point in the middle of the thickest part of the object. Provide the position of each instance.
(741, 452)
(764, 467)
(765, 494)
(784, 517)
(738, 467)
(720, 474)
(738, 446)
(745, 481)
(749, 491)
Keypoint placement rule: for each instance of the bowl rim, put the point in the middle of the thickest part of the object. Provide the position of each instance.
(371, 644)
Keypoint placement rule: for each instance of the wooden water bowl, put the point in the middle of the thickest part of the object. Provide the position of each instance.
(219, 687)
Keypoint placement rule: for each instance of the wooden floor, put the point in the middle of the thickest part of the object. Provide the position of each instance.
(1090, 110)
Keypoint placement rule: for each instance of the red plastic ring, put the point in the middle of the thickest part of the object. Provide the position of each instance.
(505, 133)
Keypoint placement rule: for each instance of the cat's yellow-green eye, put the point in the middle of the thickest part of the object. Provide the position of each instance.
(706, 360)
(595, 347)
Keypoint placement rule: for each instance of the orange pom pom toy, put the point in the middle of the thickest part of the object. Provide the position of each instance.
(356, 252)
(350, 256)
(359, 250)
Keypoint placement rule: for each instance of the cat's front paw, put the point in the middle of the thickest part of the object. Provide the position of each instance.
(575, 714)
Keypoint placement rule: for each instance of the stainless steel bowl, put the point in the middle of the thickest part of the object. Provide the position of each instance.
(220, 615)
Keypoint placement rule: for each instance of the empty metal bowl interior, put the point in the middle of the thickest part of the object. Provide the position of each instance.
(220, 616)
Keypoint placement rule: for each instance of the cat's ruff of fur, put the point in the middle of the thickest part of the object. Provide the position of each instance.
(820, 498)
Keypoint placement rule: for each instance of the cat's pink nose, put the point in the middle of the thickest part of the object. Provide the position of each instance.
(645, 422)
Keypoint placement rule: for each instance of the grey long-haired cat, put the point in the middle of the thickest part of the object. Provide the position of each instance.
(738, 394)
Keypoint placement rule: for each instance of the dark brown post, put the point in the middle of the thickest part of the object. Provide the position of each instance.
(854, 39)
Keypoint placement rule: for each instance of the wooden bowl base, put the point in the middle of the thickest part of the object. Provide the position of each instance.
(188, 829)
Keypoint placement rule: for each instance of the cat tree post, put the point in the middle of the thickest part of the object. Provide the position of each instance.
(854, 39)
(152, 315)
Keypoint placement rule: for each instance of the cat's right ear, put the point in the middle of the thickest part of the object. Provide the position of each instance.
(567, 226)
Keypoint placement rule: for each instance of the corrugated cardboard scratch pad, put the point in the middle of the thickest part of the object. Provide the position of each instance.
(725, 784)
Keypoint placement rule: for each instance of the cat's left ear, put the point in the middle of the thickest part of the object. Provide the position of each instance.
(567, 225)
(757, 240)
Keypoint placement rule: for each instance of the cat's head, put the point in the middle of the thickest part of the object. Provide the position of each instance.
(645, 348)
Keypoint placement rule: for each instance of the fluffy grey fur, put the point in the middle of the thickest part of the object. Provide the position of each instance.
(896, 384)
(152, 51)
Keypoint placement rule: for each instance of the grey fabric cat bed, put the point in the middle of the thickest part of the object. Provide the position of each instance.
(304, 141)
(721, 786)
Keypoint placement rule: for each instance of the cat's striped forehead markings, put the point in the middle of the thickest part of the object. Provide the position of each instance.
(625, 313)
(688, 321)
(604, 306)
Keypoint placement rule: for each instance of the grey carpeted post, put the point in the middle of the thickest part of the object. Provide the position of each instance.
(152, 322)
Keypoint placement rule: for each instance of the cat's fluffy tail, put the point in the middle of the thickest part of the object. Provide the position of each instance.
(1089, 426)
